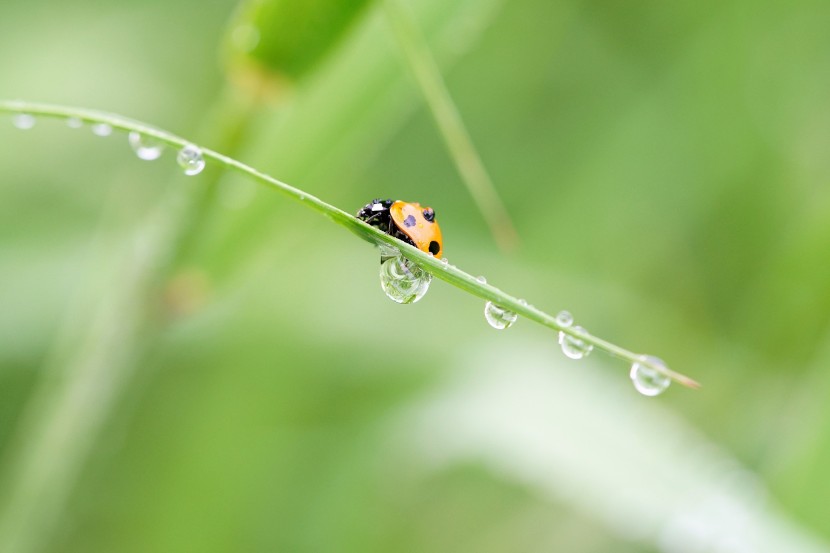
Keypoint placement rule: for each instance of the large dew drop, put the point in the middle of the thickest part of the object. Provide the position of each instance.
(191, 160)
(145, 148)
(23, 121)
(498, 317)
(402, 280)
(648, 381)
(574, 347)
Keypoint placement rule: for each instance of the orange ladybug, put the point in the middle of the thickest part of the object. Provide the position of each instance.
(406, 221)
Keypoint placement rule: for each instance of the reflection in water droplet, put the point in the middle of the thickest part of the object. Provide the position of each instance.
(498, 317)
(74, 123)
(402, 280)
(564, 318)
(191, 160)
(101, 129)
(574, 347)
(648, 381)
(23, 121)
(481, 280)
(145, 148)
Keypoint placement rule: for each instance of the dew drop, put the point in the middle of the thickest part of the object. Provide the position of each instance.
(498, 317)
(74, 123)
(23, 121)
(481, 280)
(523, 302)
(445, 261)
(564, 318)
(101, 129)
(387, 251)
(402, 280)
(144, 147)
(191, 160)
(574, 347)
(648, 381)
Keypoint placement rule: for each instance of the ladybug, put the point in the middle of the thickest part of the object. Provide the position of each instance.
(406, 221)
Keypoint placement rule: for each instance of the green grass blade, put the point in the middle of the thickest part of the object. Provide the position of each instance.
(448, 273)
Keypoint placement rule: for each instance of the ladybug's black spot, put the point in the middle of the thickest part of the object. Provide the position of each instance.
(409, 221)
(429, 214)
(434, 247)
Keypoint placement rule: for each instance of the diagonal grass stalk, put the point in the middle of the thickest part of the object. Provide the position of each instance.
(454, 276)
(452, 128)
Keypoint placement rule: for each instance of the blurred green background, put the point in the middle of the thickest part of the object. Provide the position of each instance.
(667, 168)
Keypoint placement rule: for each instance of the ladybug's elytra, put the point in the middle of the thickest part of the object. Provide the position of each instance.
(406, 221)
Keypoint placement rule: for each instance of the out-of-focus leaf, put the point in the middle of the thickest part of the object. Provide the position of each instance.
(284, 40)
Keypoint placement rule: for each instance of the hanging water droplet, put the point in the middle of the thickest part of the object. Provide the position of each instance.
(574, 347)
(402, 280)
(101, 129)
(74, 123)
(387, 251)
(190, 159)
(648, 381)
(23, 121)
(481, 280)
(564, 318)
(499, 317)
(144, 147)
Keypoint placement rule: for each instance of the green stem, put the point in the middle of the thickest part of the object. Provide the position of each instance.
(445, 272)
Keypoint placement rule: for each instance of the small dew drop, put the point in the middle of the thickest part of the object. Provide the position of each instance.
(144, 147)
(564, 318)
(498, 317)
(523, 302)
(445, 261)
(648, 381)
(74, 123)
(573, 347)
(101, 129)
(23, 121)
(402, 280)
(191, 160)
(481, 280)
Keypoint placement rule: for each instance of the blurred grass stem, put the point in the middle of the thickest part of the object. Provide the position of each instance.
(452, 128)
(88, 372)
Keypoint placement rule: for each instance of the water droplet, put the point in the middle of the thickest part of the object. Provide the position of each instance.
(145, 148)
(648, 381)
(445, 261)
(402, 280)
(190, 159)
(481, 280)
(564, 318)
(523, 302)
(498, 317)
(23, 121)
(387, 251)
(574, 347)
(74, 123)
(101, 129)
